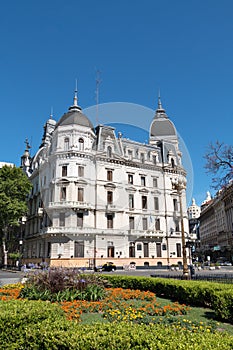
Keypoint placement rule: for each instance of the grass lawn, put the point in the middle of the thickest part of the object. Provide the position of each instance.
(194, 314)
(134, 306)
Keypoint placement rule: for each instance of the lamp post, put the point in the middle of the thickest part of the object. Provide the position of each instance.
(22, 223)
(179, 185)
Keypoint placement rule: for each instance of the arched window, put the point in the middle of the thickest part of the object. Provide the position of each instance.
(109, 152)
(81, 144)
(66, 144)
(172, 162)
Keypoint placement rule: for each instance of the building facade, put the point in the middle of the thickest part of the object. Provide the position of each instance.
(216, 225)
(99, 197)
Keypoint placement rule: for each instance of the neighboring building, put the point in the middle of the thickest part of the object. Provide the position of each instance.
(193, 210)
(2, 164)
(193, 217)
(216, 225)
(99, 197)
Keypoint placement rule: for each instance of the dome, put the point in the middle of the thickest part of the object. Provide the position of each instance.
(161, 125)
(75, 117)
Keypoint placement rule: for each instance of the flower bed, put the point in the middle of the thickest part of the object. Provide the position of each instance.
(131, 319)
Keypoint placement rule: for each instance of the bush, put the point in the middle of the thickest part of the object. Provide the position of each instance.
(35, 325)
(62, 284)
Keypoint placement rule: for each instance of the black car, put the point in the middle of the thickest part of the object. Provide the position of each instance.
(109, 266)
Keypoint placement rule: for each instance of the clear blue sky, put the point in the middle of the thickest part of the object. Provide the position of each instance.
(184, 48)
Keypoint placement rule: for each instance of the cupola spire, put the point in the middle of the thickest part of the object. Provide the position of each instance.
(160, 107)
(75, 103)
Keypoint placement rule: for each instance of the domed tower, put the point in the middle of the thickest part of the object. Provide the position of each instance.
(75, 116)
(74, 131)
(164, 135)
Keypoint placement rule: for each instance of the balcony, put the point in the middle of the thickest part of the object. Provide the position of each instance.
(69, 204)
(147, 233)
(81, 231)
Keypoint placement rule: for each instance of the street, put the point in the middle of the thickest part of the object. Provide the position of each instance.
(8, 277)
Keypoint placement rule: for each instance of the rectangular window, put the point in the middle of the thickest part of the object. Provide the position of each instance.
(154, 160)
(130, 179)
(175, 204)
(178, 250)
(155, 182)
(146, 250)
(143, 181)
(109, 197)
(131, 223)
(62, 219)
(156, 203)
(81, 171)
(80, 219)
(131, 201)
(111, 251)
(48, 249)
(130, 154)
(157, 224)
(142, 157)
(132, 250)
(144, 224)
(63, 194)
(64, 170)
(109, 175)
(51, 194)
(80, 194)
(66, 144)
(144, 202)
(158, 250)
(79, 249)
(109, 221)
(177, 226)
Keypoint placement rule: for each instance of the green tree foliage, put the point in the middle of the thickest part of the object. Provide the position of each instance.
(14, 188)
(219, 163)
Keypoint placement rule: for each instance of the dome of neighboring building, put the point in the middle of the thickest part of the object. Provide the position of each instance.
(161, 126)
(75, 116)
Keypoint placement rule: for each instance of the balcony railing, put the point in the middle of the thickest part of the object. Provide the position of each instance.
(69, 204)
(86, 231)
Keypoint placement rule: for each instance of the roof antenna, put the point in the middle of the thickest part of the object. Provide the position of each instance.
(98, 81)
(51, 113)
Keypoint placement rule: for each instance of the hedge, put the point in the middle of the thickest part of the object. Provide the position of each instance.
(217, 296)
(37, 325)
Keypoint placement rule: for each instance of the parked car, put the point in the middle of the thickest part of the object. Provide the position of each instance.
(109, 266)
(222, 262)
(226, 263)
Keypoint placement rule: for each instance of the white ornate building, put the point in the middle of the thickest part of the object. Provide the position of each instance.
(99, 197)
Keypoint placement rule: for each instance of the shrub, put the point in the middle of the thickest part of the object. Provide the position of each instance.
(50, 331)
(62, 284)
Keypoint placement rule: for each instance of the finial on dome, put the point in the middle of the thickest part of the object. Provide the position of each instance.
(76, 93)
(75, 104)
(160, 107)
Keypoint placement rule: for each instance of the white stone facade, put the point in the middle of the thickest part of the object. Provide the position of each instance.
(99, 197)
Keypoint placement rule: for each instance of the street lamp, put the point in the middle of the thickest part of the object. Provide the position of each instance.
(22, 223)
(179, 185)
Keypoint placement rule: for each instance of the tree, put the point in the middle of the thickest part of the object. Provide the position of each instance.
(219, 162)
(14, 188)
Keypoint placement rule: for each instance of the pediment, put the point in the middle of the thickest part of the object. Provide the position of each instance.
(110, 185)
(143, 190)
(63, 182)
(80, 182)
(131, 189)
